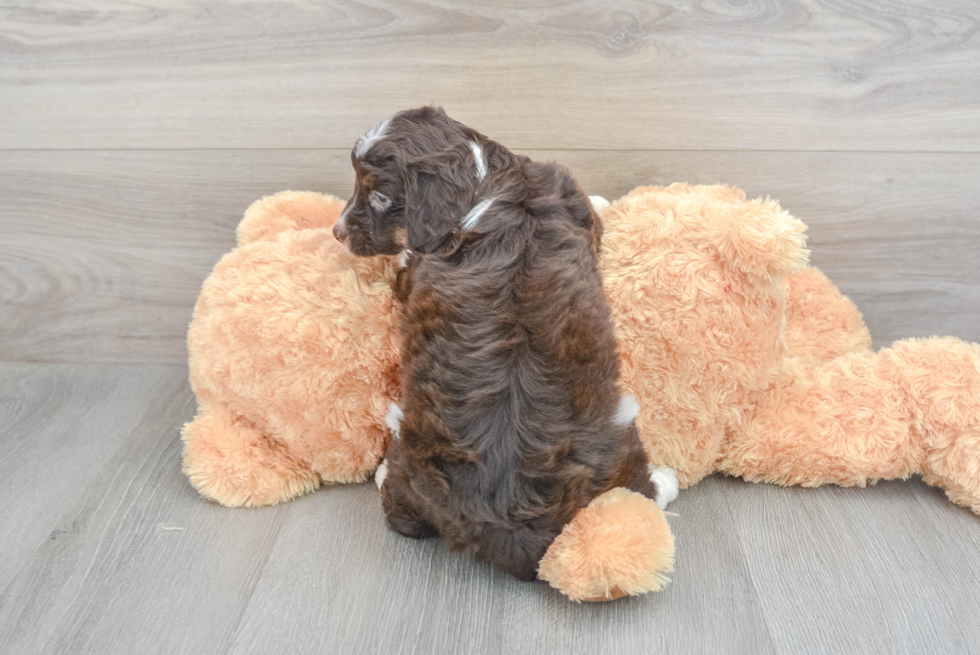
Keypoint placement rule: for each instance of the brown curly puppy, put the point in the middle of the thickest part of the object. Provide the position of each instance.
(513, 419)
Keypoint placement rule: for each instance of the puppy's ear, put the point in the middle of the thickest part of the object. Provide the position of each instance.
(435, 200)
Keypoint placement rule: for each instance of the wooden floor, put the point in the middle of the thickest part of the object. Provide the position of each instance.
(132, 137)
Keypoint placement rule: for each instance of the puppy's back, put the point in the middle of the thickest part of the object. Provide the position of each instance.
(511, 374)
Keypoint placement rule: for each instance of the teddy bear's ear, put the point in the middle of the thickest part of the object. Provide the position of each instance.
(287, 210)
(758, 237)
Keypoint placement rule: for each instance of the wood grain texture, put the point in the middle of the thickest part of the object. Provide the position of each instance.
(875, 557)
(132, 560)
(104, 252)
(882, 75)
(57, 425)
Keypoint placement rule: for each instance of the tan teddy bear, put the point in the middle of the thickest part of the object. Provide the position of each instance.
(743, 360)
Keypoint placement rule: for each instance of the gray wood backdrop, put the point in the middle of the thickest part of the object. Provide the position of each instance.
(134, 134)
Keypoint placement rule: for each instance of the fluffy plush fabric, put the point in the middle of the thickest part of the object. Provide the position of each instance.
(293, 359)
(746, 362)
(743, 360)
(619, 545)
(695, 279)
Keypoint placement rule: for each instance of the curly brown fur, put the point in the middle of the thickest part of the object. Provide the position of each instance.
(513, 419)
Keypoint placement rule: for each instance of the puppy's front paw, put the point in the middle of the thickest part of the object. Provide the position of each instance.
(381, 474)
(667, 485)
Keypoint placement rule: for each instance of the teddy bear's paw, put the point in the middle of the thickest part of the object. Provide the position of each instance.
(667, 485)
(381, 474)
(598, 203)
(620, 544)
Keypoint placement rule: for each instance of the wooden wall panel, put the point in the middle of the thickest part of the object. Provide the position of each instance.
(882, 75)
(103, 253)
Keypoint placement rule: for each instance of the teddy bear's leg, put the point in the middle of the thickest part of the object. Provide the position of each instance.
(620, 544)
(233, 463)
(862, 417)
(941, 376)
(821, 322)
(840, 422)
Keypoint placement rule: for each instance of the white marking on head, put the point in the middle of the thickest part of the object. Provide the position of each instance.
(393, 419)
(481, 163)
(472, 216)
(667, 485)
(381, 473)
(627, 411)
(371, 137)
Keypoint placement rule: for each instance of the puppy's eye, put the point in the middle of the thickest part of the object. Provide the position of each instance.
(380, 201)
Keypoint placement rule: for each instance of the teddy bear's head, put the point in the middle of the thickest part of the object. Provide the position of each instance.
(293, 358)
(694, 275)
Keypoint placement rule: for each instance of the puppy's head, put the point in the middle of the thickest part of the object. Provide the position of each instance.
(417, 175)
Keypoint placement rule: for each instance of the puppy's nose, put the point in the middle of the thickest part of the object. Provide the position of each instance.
(339, 233)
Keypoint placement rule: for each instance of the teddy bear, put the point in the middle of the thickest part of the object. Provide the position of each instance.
(744, 360)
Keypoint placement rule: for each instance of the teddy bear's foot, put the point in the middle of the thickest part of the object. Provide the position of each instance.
(942, 378)
(617, 546)
(236, 465)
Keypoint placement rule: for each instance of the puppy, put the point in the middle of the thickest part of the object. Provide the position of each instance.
(512, 419)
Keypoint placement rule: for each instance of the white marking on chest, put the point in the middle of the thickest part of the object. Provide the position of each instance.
(371, 137)
(472, 216)
(627, 411)
(381, 473)
(481, 163)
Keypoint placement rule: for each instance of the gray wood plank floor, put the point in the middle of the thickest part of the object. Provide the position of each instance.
(109, 550)
(132, 137)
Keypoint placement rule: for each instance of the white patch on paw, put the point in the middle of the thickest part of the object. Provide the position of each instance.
(381, 473)
(627, 411)
(403, 258)
(667, 485)
(393, 419)
(598, 203)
